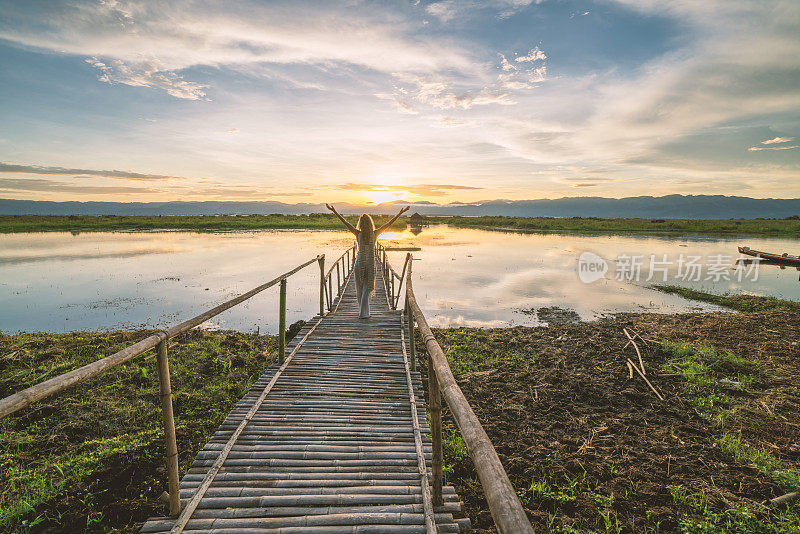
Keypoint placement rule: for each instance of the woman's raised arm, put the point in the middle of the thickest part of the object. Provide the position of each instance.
(344, 221)
(388, 224)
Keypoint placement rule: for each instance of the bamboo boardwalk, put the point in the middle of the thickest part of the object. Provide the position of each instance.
(329, 446)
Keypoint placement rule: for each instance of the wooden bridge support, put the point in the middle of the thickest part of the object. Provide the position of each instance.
(171, 446)
(282, 324)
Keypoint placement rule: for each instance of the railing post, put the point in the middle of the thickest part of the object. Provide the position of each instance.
(338, 278)
(171, 455)
(282, 324)
(410, 315)
(330, 292)
(321, 261)
(435, 400)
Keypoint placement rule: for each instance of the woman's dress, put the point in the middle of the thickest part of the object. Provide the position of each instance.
(365, 261)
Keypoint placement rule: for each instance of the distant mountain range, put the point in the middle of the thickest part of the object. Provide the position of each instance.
(666, 207)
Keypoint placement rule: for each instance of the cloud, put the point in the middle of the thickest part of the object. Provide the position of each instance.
(53, 186)
(36, 169)
(443, 95)
(757, 148)
(146, 44)
(233, 130)
(505, 64)
(148, 74)
(449, 10)
(434, 190)
(775, 140)
(453, 122)
(534, 55)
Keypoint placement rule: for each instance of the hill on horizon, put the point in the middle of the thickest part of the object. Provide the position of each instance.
(664, 207)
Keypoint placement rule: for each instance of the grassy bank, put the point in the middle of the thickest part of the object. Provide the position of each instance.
(199, 223)
(589, 449)
(744, 303)
(590, 225)
(594, 225)
(91, 459)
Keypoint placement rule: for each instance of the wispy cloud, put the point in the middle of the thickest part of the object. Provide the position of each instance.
(775, 140)
(757, 148)
(127, 175)
(54, 186)
(148, 74)
(434, 190)
(534, 55)
(449, 10)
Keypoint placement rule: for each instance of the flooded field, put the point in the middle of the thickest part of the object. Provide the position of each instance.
(60, 282)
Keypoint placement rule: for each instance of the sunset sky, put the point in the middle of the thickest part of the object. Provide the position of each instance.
(453, 100)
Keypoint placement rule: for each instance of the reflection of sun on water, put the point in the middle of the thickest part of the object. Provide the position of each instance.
(391, 235)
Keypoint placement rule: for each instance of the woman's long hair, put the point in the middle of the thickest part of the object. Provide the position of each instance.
(365, 223)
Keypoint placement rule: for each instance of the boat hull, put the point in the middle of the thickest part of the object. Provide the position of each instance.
(777, 258)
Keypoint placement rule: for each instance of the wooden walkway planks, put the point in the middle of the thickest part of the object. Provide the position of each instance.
(331, 448)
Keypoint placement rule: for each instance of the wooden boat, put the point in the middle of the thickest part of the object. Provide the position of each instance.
(784, 259)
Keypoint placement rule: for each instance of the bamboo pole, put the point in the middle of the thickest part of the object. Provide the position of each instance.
(28, 396)
(402, 277)
(635, 346)
(507, 511)
(435, 401)
(282, 324)
(427, 501)
(411, 330)
(330, 292)
(321, 285)
(391, 293)
(645, 379)
(338, 278)
(171, 447)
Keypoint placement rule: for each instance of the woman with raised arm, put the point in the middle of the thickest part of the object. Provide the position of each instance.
(366, 236)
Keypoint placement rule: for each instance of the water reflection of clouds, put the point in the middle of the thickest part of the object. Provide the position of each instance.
(15, 260)
(462, 277)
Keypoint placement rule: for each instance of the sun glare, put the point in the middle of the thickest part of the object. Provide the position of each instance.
(381, 196)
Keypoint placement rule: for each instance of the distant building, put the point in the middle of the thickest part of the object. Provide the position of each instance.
(416, 219)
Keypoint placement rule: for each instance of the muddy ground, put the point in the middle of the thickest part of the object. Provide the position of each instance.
(590, 449)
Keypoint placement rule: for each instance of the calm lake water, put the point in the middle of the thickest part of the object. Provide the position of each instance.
(90, 281)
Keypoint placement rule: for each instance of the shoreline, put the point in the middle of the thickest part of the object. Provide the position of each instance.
(787, 228)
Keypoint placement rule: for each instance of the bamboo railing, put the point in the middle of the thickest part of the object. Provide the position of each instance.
(159, 340)
(342, 265)
(506, 509)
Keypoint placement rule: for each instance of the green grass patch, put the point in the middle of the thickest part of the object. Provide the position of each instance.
(712, 376)
(713, 380)
(700, 515)
(198, 223)
(746, 453)
(473, 350)
(323, 221)
(91, 457)
(744, 303)
(455, 452)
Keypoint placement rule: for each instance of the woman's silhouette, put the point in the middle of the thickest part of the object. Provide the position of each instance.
(366, 236)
